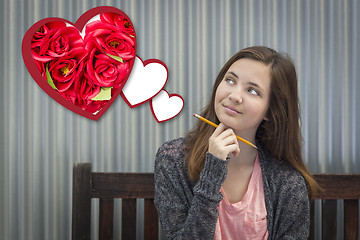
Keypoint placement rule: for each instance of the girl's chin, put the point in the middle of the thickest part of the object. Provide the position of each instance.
(229, 123)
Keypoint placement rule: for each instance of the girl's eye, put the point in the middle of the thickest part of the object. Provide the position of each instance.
(230, 80)
(253, 91)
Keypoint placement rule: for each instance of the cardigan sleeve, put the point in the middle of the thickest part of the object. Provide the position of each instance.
(186, 212)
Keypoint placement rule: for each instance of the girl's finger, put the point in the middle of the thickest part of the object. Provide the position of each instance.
(221, 128)
(230, 139)
(227, 133)
(234, 149)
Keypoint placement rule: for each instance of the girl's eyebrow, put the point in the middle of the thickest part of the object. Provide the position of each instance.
(256, 85)
(232, 73)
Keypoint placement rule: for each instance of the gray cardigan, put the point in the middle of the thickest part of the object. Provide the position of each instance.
(188, 210)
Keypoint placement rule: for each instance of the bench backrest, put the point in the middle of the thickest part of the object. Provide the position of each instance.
(107, 187)
(337, 187)
(132, 186)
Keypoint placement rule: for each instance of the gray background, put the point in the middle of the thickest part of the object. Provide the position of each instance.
(40, 139)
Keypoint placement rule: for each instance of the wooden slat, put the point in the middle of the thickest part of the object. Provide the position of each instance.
(106, 222)
(329, 219)
(351, 219)
(123, 185)
(338, 186)
(312, 220)
(151, 226)
(81, 205)
(128, 219)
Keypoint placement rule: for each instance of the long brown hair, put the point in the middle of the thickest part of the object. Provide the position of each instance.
(280, 135)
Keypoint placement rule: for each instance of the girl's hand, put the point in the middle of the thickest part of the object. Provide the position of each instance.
(223, 142)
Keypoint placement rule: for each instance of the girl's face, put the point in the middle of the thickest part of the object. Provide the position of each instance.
(242, 98)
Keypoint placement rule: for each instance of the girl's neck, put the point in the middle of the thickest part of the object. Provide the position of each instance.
(248, 134)
(246, 156)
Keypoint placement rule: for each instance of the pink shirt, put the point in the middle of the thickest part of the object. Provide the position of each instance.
(245, 219)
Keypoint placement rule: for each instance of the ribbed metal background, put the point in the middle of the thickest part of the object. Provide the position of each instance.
(40, 139)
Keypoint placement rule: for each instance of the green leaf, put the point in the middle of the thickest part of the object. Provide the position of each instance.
(104, 94)
(117, 58)
(49, 79)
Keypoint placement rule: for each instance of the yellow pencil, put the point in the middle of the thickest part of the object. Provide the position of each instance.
(215, 126)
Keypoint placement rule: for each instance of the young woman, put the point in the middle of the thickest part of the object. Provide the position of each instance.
(209, 185)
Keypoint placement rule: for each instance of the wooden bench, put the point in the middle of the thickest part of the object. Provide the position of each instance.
(132, 186)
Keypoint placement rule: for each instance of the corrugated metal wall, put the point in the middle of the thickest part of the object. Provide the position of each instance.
(40, 140)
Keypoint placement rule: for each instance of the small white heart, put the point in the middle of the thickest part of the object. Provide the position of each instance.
(165, 107)
(145, 81)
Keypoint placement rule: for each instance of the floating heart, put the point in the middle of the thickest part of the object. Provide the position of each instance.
(146, 80)
(165, 107)
(85, 65)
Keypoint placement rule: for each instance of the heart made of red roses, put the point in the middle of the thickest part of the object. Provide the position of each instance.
(50, 89)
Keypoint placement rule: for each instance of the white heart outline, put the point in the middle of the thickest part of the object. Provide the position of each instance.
(130, 83)
(160, 97)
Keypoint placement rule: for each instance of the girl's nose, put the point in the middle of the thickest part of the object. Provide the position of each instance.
(236, 97)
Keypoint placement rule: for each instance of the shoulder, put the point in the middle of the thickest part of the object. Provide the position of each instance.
(174, 149)
(169, 171)
(171, 154)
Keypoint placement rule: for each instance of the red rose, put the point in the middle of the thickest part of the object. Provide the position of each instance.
(43, 31)
(38, 38)
(111, 38)
(81, 95)
(119, 21)
(66, 70)
(103, 70)
(86, 88)
(55, 43)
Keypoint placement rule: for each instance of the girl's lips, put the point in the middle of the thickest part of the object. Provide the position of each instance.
(231, 110)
